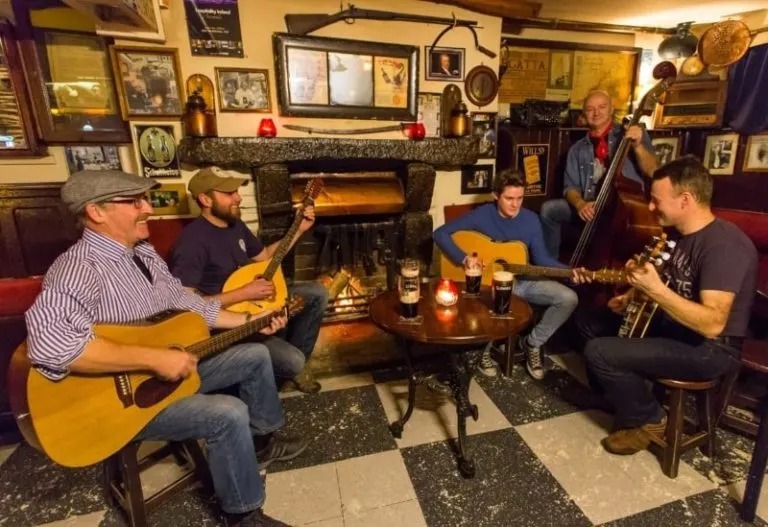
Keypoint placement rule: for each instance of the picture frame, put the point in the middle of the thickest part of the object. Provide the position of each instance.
(341, 78)
(720, 154)
(443, 64)
(156, 149)
(667, 149)
(96, 158)
(484, 127)
(756, 153)
(243, 90)
(117, 30)
(430, 114)
(149, 81)
(169, 199)
(476, 179)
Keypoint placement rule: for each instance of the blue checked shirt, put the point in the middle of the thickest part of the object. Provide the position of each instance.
(97, 281)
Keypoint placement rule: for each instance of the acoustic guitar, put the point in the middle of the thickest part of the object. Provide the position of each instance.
(641, 308)
(85, 418)
(270, 269)
(512, 257)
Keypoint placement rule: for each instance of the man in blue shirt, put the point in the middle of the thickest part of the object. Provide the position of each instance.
(217, 243)
(587, 162)
(505, 221)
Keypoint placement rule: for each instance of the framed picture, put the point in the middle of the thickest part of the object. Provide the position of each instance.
(484, 127)
(576, 118)
(476, 179)
(118, 30)
(667, 149)
(429, 113)
(720, 154)
(444, 64)
(243, 90)
(156, 150)
(756, 154)
(339, 78)
(170, 199)
(148, 80)
(532, 161)
(560, 70)
(92, 158)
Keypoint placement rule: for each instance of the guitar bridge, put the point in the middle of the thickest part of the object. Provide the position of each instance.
(123, 389)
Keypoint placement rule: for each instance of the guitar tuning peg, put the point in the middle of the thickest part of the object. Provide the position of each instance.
(665, 256)
(671, 244)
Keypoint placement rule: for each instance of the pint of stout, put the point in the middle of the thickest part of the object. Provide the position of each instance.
(473, 273)
(501, 291)
(408, 289)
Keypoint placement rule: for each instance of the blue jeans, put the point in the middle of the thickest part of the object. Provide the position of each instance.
(227, 423)
(560, 300)
(302, 330)
(554, 213)
(287, 359)
(623, 366)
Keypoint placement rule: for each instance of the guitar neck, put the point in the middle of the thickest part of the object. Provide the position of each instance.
(535, 270)
(227, 338)
(283, 247)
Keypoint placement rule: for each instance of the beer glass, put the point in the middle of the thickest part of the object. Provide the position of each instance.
(408, 286)
(473, 273)
(501, 291)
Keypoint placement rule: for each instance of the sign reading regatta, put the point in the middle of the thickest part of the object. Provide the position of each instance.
(533, 162)
(157, 151)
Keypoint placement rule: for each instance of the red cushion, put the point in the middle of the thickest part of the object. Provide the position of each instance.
(18, 294)
(164, 233)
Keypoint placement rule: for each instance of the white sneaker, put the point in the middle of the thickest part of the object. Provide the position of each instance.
(487, 365)
(533, 360)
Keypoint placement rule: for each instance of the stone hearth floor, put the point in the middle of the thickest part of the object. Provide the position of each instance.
(536, 447)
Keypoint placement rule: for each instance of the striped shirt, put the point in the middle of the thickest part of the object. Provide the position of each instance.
(97, 281)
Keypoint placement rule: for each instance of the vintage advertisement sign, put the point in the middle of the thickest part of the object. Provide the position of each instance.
(214, 28)
(533, 162)
(157, 151)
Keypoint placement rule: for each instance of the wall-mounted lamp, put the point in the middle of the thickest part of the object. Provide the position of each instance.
(680, 45)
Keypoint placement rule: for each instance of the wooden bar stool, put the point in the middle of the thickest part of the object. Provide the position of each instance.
(711, 399)
(754, 356)
(122, 477)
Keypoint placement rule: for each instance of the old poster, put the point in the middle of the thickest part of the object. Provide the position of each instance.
(349, 78)
(533, 162)
(604, 70)
(214, 27)
(157, 151)
(390, 82)
(307, 76)
(527, 76)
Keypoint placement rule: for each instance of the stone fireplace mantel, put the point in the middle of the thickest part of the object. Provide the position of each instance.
(251, 152)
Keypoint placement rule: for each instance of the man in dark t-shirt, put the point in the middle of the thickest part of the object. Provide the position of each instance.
(704, 294)
(217, 243)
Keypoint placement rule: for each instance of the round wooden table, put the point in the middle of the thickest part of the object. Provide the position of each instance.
(456, 331)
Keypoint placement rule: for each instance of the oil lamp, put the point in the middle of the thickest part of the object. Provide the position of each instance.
(446, 292)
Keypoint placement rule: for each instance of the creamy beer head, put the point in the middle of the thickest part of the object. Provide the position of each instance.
(503, 276)
(409, 272)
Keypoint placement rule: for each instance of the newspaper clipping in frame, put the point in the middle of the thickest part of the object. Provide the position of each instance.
(533, 163)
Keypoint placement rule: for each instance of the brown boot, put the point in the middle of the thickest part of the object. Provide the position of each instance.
(305, 382)
(655, 431)
(626, 441)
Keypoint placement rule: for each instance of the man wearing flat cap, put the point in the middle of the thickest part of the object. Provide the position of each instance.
(112, 275)
(217, 243)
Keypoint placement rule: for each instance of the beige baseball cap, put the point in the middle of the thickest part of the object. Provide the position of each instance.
(213, 178)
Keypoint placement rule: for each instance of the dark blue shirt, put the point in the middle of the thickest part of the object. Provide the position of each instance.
(205, 255)
(525, 227)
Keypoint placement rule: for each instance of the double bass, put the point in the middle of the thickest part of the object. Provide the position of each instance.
(622, 223)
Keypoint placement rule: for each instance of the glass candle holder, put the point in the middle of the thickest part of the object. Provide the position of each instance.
(446, 292)
(267, 128)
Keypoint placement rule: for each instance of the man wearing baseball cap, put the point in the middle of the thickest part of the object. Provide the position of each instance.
(217, 243)
(112, 275)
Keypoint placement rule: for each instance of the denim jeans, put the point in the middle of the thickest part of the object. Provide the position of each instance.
(227, 423)
(554, 213)
(560, 300)
(302, 330)
(287, 359)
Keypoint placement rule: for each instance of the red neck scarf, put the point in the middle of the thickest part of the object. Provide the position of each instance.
(600, 143)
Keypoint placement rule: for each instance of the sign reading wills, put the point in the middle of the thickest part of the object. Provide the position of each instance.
(532, 161)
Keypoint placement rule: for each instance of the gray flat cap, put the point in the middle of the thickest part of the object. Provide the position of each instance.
(93, 186)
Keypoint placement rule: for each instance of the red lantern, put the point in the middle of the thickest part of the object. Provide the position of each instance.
(446, 292)
(267, 128)
(418, 132)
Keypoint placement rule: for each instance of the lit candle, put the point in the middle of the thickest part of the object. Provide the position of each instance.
(446, 292)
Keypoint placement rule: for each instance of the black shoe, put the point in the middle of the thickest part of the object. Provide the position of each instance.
(255, 518)
(280, 448)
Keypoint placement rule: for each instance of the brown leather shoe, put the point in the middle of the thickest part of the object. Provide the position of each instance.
(305, 382)
(626, 441)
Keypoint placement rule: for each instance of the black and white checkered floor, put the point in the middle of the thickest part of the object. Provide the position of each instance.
(536, 447)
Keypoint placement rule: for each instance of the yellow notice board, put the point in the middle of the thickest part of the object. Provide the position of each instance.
(558, 72)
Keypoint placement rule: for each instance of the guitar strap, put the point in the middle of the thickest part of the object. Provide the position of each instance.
(142, 267)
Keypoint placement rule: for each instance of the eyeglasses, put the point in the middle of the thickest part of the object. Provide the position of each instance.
(137, 201)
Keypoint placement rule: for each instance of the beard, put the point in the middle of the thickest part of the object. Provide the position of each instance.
(225, 214)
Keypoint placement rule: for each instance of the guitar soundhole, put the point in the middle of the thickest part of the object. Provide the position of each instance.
(152, 391)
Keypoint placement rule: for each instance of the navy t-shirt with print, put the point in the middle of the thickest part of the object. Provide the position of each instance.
(719, 257)
(205, 255)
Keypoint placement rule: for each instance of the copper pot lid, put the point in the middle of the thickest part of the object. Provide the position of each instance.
(724, 43)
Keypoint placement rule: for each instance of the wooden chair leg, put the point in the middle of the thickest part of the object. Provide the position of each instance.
(705, 409)
(509, 356)
(673, 433)
(134, 496)
(756, 467)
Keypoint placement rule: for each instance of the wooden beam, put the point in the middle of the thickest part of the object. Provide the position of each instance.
(500, 8)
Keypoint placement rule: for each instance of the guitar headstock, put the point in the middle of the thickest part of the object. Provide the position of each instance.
(657, 251)
(312, 190)
(294, 305)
